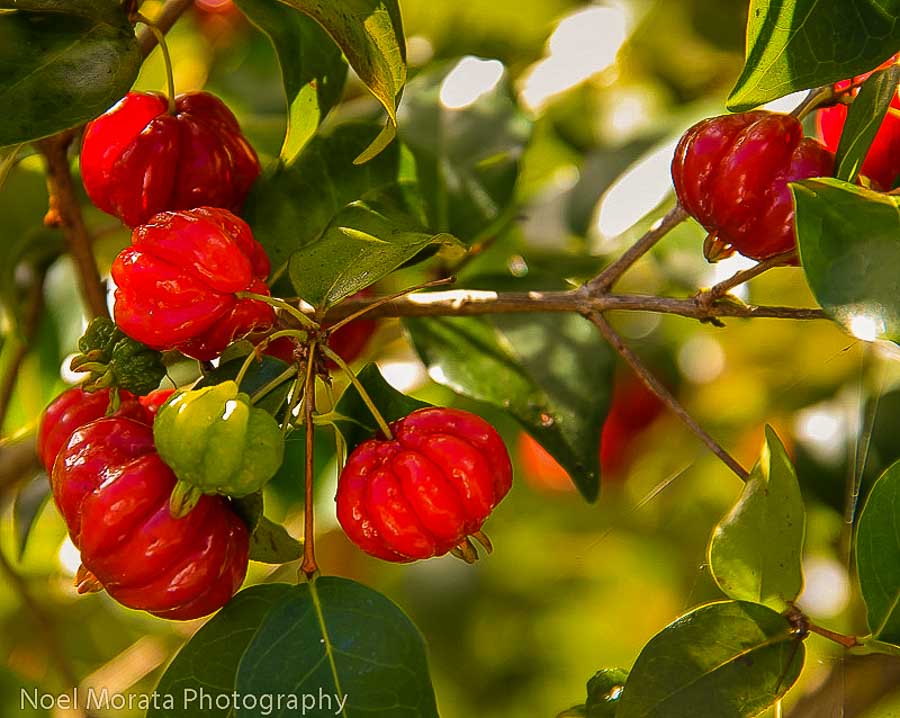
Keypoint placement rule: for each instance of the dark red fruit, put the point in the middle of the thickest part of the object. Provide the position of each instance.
(73, 409)
(634, 408)
(138, 160)
(424, 492)
(882, 162)
(731, 174)
(177, 281)
(113, 491)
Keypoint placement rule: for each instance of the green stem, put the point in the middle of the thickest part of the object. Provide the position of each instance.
(167, 59)
(342, 365)
(277, 381)
(280, 304)
(245, 367)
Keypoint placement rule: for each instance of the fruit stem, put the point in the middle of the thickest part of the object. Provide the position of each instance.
(342, 365)
(280, 304)
(167, 59)
(278, 380)
(387, 299)
(813, 99)
(254, 355)
(309, 566)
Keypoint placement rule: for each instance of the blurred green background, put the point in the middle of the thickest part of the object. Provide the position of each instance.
(571, 587)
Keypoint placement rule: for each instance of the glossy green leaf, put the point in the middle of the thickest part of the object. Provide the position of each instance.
(799, 44)
(849, 241)
(357, 423)
(111, 12)
(604, 691)
(729, 660)
(864, 118)
(334, 636)
(755, 551)
(271, 543)
(209, 661)
(292, 206)
(551, 372)
(365, 242)
(878, 556)
(370, 34)
(30, 499)
(467, 157)
(58, 71)
(313, 70)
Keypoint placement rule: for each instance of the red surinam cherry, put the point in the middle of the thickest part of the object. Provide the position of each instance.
(422, 493)
(177, 282)
(112, 489)
(73, 409)
(137, 159)
(731, 174)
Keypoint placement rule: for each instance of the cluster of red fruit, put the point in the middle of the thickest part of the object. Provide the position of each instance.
(731, 173)
(194, 280)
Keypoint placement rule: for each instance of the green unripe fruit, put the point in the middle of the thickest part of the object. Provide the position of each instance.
(216, 443)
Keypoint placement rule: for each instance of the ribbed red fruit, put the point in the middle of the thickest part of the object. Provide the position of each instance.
(422, 493)
(731, 174)
(73, 409)
(113, 491)
(177, 282)
(137, 159)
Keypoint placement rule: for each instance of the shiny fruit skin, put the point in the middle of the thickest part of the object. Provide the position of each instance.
(138, 160)
(153, 401)
(73, 409)
(731, 174)
(423, 492)
(177, 281)
(882, 162)
(113, 491)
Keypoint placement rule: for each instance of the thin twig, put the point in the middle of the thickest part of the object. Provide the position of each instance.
(841, 639)
(31, 320)
(309, 566)
(18, 462)
(463, 302)
(604, 281)
(167, 17)
(65, 213)
(658, 388)
(719, 290)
